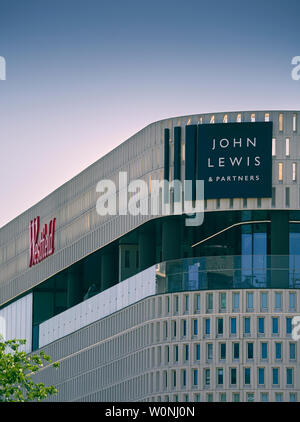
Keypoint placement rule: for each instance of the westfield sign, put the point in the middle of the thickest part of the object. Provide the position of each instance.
(41, 245)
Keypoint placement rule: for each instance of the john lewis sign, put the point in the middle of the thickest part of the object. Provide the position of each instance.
(235, 159)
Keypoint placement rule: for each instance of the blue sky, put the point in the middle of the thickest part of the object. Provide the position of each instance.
(84, 75)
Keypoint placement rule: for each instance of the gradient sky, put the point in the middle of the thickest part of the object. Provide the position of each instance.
(84, 75)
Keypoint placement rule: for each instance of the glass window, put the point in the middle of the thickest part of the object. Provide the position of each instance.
(294, 122)
(278, 397)
(176, 353)
(261, 325)
(220, 326)
(236, 301)
(233, 325)
(174, 378)
(186, 348)
(195, 376)
(236, 397)
(288, 325)
(176, 303)
(250, 296)
(280, 172)
(222, 397)
(264, 350)
(225, 118)
(220, 376)
(294, 172)
(275, 325)
(250, 397)
(186, 302)
(261, 376)
(209, 397)
(212, 119)
(233, 376)
(222, 301)
(184, 328)
(280, 123)
(209, 351)
(247, 375)
(275, 376)
(166, 329)
(249, 350)
(264, 397)
(287, 146)
(195, 327)
(287, 197)
(236, 350)
(289, 376)
(292, 351)
(184, 377)
(198, 302)
(197, 351)
(168, 304)
(207, 376)
(167, 353)
(174, 328)
(293, 397)
(223, 351)
(207, 326)
(292, 301)
(264, 300)
(197, 397)
(278, 300)
(209, 301)
(247, 325)
(278, 350)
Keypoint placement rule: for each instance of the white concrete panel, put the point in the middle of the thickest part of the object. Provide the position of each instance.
(16, 321)
(99, 306)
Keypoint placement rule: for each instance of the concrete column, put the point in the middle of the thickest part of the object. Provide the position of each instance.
(171, 238)
(146, 249)
(280, 246)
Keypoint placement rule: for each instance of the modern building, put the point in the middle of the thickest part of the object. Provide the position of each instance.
(150, 307)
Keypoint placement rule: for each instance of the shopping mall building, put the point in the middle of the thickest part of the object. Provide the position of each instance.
(145, 307)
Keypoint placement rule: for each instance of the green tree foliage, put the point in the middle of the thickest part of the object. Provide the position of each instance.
(16, 370)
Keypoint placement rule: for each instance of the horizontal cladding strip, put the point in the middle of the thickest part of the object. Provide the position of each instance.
(59, 230)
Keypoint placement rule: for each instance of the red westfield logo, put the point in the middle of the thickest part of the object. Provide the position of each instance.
(43, 247)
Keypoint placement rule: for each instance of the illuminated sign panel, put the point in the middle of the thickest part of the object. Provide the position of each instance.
(235, 159)
(40, 248)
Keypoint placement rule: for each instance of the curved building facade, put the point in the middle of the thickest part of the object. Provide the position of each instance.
(150, 307)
